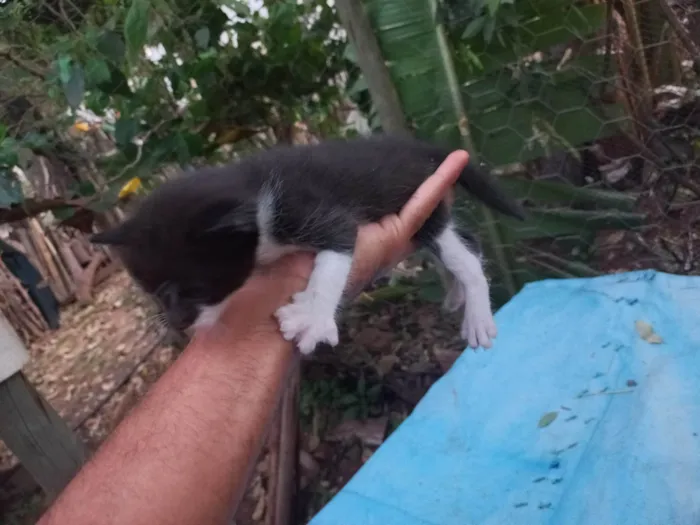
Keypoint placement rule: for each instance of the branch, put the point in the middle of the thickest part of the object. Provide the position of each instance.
(32, 207)
(30, 68)
(682, 33)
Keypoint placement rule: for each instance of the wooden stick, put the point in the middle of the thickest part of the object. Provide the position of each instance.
(86, 281)
(66, 274)
(70, 259)
(51, 274)
(30, 251)
(106, 271)
(682, 33)
(19, 305)
(41, 440)
(82, 253)
(284, 454)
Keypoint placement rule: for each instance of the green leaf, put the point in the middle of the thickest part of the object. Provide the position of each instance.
(489, 28)
(64, 69)
(111, 45)
(493, 6)
(242, 9)
(348, 399)
(97, 72)
(125, 130)
(201, 37)
(646, 332)
(352, 412)
(474, 27)
(544, 223)
(74, 88)
(117, 84)
(547, 419)
(374, 391)
(565, 194)
(136, 28)
(432, 292)
(63, 214)
(10, 189)
(562, 267)
(8, 153)
(34, 141)
(361, 384)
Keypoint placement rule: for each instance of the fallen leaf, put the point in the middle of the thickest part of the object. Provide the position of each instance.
(547, 419)
(446, 358)
(386, 363)
(308, 464)
(646, 332)
(370, 431)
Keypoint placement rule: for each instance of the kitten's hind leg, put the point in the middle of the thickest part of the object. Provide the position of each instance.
(478, 326)
(454, 291)
(310, 318)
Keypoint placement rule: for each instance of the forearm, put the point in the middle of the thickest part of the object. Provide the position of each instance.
(183, 456)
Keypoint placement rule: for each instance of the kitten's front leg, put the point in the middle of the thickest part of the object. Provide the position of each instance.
(310, 318)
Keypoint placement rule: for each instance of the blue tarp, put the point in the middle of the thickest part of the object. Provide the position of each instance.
(624, 448)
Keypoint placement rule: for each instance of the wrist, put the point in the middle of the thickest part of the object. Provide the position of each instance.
(244, 353)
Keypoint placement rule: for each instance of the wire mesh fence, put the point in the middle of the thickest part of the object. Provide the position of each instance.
(586, 110)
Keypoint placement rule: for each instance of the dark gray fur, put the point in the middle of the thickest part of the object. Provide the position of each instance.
(192, 241)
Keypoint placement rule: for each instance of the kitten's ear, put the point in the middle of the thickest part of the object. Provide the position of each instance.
(241, 219)
(117, 236)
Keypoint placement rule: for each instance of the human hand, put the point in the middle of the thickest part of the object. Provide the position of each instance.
(379, 246)
(382, 245)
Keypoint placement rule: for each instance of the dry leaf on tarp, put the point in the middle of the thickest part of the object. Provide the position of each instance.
(646, 332)
(547, 419)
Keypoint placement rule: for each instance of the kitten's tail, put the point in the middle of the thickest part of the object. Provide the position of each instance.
(486, 189)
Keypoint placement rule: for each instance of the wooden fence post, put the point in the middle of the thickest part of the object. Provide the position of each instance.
(29, 426)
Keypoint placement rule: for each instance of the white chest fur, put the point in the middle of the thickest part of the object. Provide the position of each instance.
(268, 250)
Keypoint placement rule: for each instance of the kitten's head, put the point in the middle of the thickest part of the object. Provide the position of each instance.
(188, 246)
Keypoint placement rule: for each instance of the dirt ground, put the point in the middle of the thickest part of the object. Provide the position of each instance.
(106, 355)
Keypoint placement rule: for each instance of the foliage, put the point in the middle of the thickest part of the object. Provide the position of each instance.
(352, 400)
(217, 73)
(500, 67)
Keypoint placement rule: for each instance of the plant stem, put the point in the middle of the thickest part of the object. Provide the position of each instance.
(490, 222)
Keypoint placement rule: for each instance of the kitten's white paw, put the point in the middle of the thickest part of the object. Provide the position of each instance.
(305, 323)
(478, 326)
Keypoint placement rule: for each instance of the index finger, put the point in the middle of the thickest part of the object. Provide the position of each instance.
(432, 191)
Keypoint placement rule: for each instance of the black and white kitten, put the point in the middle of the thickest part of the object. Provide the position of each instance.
(196, 239)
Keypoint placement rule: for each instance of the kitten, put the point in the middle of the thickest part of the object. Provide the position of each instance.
(196, 239)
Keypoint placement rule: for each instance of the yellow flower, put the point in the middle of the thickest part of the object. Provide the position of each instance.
(130, 187)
